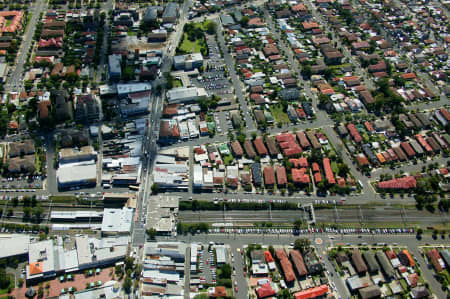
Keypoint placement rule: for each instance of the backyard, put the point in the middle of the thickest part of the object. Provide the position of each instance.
(279, 115)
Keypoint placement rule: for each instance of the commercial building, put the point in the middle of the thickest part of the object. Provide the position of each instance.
(135, 104)
(170, 13)
(76, 175)
(185, 94)
(188, 62)
(14, 245)
(71, 155)
(163, 269)
(117, 221)
(123, 90)
(114, 67)
(162, 214)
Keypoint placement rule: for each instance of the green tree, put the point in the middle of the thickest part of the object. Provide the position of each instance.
(225, 271)
(211, 27)
(244, 21)
(127, 285)
(298, 223)
(155, 188)
(302, 244)
(129, 263)
(151, 233)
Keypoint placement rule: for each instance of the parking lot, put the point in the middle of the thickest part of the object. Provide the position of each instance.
(21, 184)
(207, 267)
(214, 82)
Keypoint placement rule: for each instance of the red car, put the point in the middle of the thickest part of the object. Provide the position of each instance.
(236, 289)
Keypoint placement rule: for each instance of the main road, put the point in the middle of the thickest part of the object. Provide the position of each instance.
(151, 135)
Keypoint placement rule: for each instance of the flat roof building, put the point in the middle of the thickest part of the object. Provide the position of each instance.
(13, 245)
(185, 94)
(76, 175)
(117, 221)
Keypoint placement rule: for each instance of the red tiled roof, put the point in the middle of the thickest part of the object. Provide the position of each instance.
(260, 147)
(317, 177)
(269, 175)
(312, 293)
(328, 172)
(409, 76)
(413, 279)
(51, 43)
(445, 113)
(315, 167)
(423, 143)
(281, 175)
(406, 182)
(286, 265)
(362, 160)
(408, 149)
(354, 132)
(434, 256)
(268, 256)
(288, 144)
(310, 25)
(300, 176)
(265, 291)
(368, 126)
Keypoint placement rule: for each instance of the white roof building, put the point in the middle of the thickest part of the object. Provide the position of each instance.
(13, 244)
(185, 94)
(117, 221)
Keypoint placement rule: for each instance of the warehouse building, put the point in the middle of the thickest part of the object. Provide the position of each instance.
(185, 94)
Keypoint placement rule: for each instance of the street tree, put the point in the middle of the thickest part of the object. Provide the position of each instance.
(302, 244)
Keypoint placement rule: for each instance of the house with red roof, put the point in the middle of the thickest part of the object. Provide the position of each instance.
(369, 127)
(408, 149)
(265, 291)
(300, 176)
(354, 132)
(436, 260)
(404, 183)
(281, 176)
(328, 172)
(269, 176)
(315, 292)
(260, 147)
(288, 144)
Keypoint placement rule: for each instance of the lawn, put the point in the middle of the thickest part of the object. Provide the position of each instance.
(62, 199)
(11, 279)
(189, 46)
(334, 167)
(177, 83)
(404, 284)
(279, 115)
(228, 159)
